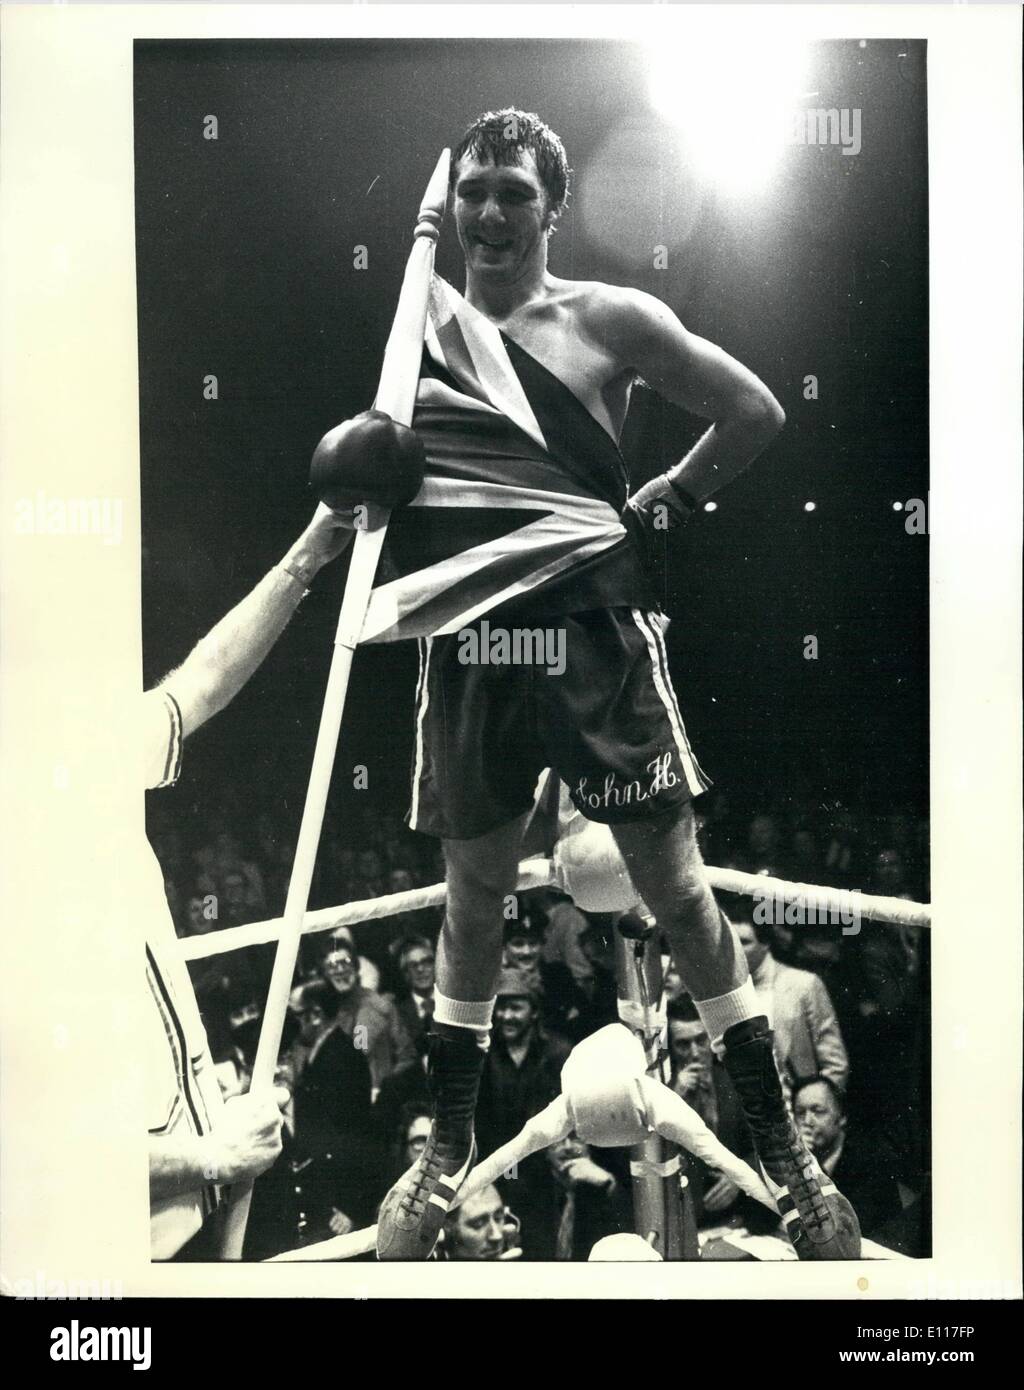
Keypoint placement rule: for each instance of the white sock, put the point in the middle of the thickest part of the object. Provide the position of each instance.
(719, 1014)
(472, 1014)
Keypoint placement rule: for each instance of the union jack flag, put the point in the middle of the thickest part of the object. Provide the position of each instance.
(522, 497)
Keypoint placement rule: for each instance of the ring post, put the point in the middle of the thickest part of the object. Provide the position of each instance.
(662, 1206)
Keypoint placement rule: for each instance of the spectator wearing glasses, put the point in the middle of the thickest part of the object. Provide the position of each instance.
(368, 1019)
(415, 1002)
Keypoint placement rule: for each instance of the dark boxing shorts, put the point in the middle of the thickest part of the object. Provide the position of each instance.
(489, 721)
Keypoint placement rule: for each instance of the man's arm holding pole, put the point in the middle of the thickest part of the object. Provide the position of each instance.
(222, 662)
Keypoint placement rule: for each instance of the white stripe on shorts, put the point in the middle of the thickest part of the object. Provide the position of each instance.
(422, 700)
(695, 779)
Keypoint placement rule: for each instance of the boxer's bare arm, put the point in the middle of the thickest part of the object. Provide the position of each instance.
(692, 373)
(222, 662)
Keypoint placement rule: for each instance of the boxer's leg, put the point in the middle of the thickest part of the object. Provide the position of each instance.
(480, 874)
(666, 868)
(664, 863)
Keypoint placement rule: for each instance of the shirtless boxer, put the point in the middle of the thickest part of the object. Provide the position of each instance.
(609, 725)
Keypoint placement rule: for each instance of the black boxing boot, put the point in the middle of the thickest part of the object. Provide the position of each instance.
(413, 1212)
(819, 1220)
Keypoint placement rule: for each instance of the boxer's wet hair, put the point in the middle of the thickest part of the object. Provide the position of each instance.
(502, 136)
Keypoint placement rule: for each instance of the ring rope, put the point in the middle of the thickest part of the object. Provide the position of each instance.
(540, 873)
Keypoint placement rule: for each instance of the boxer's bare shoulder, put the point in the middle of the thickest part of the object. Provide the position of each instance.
(591, 336)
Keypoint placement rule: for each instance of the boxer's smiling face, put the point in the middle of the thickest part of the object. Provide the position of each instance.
(502, 217)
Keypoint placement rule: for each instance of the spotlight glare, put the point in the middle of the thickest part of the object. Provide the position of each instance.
(732, 104)
(711, 506)
(897, 506)
(810, 506)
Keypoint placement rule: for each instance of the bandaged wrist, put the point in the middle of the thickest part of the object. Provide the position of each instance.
(687, 498)
(294, 575)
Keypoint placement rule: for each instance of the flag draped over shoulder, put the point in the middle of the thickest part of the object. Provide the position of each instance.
(522, 495)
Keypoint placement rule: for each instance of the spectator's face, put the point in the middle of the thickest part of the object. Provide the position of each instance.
(754, 950)
(560, 1155)
(818, 1118)
(312, 1022)
(478, 1230)
(341, 971)
(197, 919)
(514, 1017)
(416, 1138)
(523, 952)
(763, 835)
(673, 984)
(418, 969)
(400, 881)
(689, 1045)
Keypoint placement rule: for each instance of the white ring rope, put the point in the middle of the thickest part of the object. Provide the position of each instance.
(821, 905)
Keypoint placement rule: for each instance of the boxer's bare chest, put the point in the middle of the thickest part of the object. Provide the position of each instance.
(560, 334)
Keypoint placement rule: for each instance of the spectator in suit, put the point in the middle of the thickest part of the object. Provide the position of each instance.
(331, 1076)
(808, 1041)
(591, 1202)
(411, 1137)
(702, 1081)
(862, 1168)
(415, 1002)
(323, 1182)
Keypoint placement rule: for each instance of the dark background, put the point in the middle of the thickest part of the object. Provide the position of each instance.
(245, 270)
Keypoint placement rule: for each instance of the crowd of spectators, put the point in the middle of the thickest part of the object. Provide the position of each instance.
(850, 1011)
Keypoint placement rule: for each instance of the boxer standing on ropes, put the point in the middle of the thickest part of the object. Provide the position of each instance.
(613, 728)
